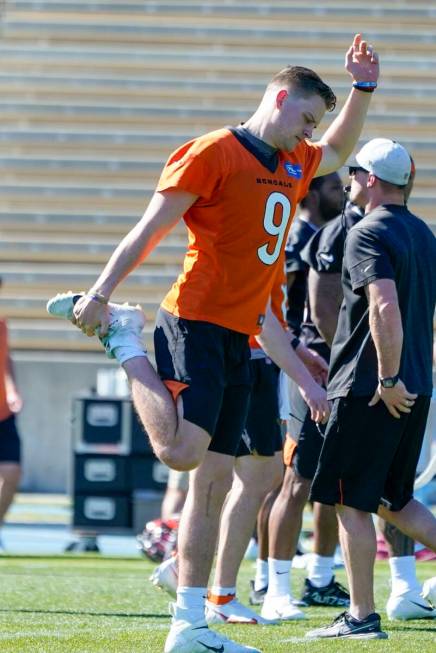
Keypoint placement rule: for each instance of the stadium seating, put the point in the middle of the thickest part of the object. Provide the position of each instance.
(94, 96)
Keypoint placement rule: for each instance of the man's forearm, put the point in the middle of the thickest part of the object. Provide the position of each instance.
(325, 296)
(387, 334)
(275, 341)
(345, 130)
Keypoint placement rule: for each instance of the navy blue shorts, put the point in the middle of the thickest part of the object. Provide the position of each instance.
(10, 448)
(212, 363)
(262, 434)
(305, 433)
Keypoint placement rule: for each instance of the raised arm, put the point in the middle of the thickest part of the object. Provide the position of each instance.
(163, 212)
(338, 142)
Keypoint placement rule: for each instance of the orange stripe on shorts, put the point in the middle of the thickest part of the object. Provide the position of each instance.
(175, 387)
(289, 450)
(341, 492)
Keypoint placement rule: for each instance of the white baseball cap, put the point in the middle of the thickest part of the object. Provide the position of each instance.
(386, 159)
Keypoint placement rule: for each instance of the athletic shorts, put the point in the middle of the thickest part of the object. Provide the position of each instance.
(10, 448)
(262, 434)
(369, 457)
(304, 438)
(209, 365)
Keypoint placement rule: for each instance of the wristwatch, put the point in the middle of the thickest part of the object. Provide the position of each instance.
(389, 381)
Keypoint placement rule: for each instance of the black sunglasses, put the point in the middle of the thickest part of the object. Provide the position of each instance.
(353, 169)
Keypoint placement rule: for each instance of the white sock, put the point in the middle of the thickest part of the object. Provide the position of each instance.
(217, 590)
(261, 578)
(192, 599)
(320, 569)
(403, 575)
(279, 577)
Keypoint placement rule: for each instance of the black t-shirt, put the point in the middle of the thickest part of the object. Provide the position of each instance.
(301, 231)
(325, 250)
(388, 243)
(324, 253)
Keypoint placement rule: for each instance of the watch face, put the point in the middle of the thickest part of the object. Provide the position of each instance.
(388, 383)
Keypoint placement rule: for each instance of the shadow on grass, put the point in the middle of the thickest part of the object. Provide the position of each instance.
(125, 615)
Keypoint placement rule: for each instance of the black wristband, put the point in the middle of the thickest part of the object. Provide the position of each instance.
(295, 342)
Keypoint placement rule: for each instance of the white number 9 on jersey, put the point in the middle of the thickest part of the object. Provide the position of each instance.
(278, 230)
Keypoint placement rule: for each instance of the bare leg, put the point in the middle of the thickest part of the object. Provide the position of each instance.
(325, 529)
(254, 477)
(175, 494)
(415, 520)
(359, 545)
(10, 474)
(263, 520)
(286, 516)
(177, 442)
(198, 531)
(397, 543)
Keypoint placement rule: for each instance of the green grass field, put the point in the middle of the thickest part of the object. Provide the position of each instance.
(90, 604)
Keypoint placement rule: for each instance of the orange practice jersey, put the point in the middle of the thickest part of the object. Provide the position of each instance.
(4, 353)
(279, 298)
(237, 228)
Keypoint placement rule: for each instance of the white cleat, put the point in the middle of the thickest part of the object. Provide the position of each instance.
(166, 576)
(63, 303)
(234, 612)
(429, 591)
(410, 605)
(281, 608)
(185, 637)
(123, 339)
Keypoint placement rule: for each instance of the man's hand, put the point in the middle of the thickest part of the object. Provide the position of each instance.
(14, 400)
(316, 398)
(90, 316)
(315, 363)
(361, 61)
(397, 399)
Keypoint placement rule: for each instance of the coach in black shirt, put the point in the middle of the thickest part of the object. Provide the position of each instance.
(380, 381)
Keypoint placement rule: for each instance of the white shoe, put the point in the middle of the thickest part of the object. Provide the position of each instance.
(123, 340)
(281, 608)
(410, 605)
(429, 591)
(185, 637)
(234, 612)
(166, 576)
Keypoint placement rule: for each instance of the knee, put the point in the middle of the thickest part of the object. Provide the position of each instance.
(10, 475)
(179, 460)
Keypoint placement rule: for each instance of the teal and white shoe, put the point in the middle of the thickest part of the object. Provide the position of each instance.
(126, 323)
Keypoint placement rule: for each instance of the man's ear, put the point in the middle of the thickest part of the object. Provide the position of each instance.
(281, 97)
(371, 180)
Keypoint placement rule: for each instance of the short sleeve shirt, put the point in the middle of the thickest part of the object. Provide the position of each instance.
(388, 243)
(237, 228)
(325, 250)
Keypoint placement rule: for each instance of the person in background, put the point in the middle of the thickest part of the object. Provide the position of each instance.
(10, 404)
(380, 381)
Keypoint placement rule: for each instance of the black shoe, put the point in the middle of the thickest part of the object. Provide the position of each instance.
(347, 627)
(256, 596)
(332, 595)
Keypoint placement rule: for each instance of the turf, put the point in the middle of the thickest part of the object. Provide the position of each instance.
(90, 604)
